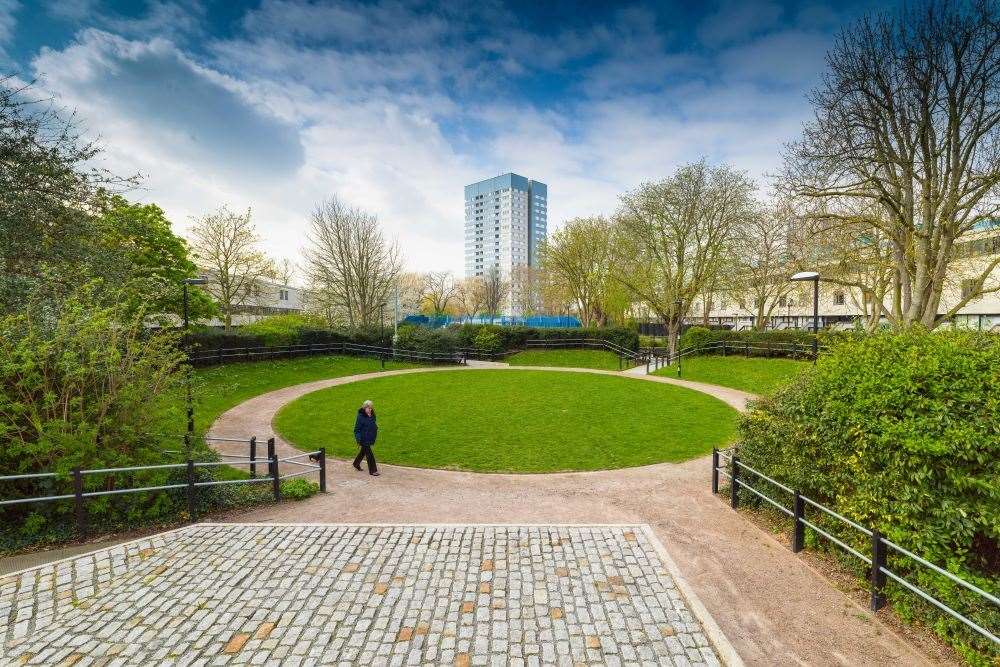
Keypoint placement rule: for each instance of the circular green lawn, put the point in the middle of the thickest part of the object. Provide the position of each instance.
(513, 420)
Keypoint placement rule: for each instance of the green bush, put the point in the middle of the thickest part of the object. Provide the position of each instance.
(298, 489)
(424, 339)
(514, 338)
(901, 432)
(489, 340)
(697, 337)
(281, 329)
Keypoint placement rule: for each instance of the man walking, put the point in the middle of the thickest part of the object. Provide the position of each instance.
(365, 432)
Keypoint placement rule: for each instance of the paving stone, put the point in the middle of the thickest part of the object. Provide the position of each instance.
(403, 595)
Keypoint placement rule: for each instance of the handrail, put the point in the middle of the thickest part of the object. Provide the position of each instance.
(878, 559)
(79, 495)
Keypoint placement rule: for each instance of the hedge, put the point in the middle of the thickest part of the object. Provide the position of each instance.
(698, 337)
(515, 338)
(901, 432)
(210, 340)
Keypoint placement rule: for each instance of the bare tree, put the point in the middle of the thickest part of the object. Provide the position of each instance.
(759, 262)
(470, 296)
(439, 290)
(351, 267)
(671, 237)
(852, 251)
(579, 255)
(527, 283)
(226, 245)
(284, 271)
(908, 118)
(495, 291)
(410, 288)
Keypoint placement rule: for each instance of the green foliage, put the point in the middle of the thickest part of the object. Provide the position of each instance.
(298, 489)
(209, 340)
(134, 248)
(696, 337)
(282, 329)
(424, 339)
(79, 383)
(901, 432)
(514, 338)
(489, 340)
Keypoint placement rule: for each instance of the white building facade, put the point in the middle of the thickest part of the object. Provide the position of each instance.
(506, 218)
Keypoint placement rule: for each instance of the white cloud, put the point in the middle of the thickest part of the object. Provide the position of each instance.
(395, 109)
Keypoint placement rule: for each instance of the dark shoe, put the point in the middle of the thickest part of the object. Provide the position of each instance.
(374, 474)
(356, 467)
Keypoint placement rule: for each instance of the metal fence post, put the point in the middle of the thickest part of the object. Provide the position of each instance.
(81, 512)
(381, 357)
(748, 349)
(322, 469)
(798, 528)
(218, 355)
(275, 475)
(678, 364)
(253, 456)
(190, 488)
(715, 470)
(723, 348)
(878, 577)
(734, 483)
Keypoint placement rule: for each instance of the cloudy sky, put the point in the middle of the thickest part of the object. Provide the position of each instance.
(395, 105)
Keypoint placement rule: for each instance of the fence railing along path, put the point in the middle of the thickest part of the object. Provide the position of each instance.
(315, 463)
(661, 357)
(223, 354)
(877, 554)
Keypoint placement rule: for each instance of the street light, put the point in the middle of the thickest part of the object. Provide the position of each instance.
(814, 277)
(190, 404)
(677, 304)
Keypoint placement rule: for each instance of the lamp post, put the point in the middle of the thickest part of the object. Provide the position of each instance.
(677, 305)
(190, 404)
(814, 277)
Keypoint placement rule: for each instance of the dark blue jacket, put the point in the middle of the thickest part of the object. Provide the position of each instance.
(365, 428)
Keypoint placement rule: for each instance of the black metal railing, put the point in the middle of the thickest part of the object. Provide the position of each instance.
(316, 463)
(661, 358)
(209, 357)
(877, 557)
(637, 357)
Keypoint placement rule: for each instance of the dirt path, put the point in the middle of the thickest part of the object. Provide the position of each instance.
(769, 603)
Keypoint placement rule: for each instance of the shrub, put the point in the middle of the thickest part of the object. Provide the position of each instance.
(901, 432)
(423, 339)
(514, 338)
(697, 336)
(282, 329)
(489, 340)
(298, 489)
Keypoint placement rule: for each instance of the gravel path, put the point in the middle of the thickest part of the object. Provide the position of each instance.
(769, 603)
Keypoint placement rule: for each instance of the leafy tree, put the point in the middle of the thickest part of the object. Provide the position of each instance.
(47, 189)
(135, 249)
(579, 256)
(671, 237)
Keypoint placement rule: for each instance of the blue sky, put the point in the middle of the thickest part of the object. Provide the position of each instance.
(395, 105)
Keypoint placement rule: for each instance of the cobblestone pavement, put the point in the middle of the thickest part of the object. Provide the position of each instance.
(319, 594)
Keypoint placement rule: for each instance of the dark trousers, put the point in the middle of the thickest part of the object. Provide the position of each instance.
(367, 454)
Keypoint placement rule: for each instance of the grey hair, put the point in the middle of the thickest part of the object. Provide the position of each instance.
(366, 404)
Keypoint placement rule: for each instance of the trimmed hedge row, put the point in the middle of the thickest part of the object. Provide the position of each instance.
(209, 341)
(482, 338)
(900, 432)
(696, 337)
